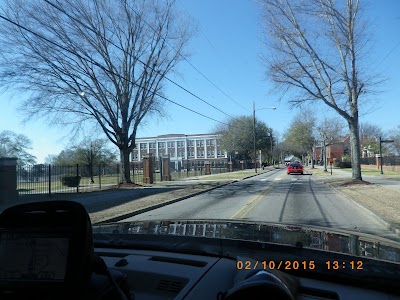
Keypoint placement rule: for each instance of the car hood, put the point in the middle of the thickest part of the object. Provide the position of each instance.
(325, 239)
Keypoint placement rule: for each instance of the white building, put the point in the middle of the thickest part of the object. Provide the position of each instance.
(192, 149)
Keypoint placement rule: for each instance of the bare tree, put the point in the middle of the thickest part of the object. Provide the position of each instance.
(395, 135)
(329, 130)
(16, 145)
(316, 51)
(301, 134)
(99, 61)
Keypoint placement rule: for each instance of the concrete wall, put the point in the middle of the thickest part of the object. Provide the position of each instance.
(8, 180)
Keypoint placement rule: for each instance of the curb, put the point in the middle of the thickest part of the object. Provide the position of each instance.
(143, 210)
(389, 226)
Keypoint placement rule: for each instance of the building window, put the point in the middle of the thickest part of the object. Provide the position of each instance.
(200, 143)
(191, 143)
(152, 145)
(143, 146)
(210, 142)
(161, 145)
(208, 153)
(172, 154)
(171, 144)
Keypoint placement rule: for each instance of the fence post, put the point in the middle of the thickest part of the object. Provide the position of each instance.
(166, 171)
(160, 164)
(118, 178)
(77, 175)
(49, 180)
(207, 168)
(100, 176)
(148, 169)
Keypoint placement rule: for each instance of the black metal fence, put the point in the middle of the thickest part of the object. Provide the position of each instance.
(194, 171)
(51, 179)
(391, 160)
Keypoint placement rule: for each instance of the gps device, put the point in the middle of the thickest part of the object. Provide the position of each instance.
(46, 249)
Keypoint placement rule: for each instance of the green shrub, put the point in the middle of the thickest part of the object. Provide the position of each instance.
(71, 181)
(342, 164)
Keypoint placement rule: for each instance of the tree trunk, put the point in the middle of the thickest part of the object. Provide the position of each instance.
(325, 159)
(355, 149)
(312, 158)
(125, 176)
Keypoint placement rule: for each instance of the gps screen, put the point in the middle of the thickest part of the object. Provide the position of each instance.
(33, 257)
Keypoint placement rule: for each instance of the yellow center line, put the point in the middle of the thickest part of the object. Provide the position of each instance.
(251, 208)
(248, 203)
(256, 199)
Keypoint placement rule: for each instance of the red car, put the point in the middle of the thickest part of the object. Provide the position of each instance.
(295, 168)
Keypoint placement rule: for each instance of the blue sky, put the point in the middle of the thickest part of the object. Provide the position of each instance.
(226, 50)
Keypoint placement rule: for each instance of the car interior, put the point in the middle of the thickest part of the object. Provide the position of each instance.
(47, 252)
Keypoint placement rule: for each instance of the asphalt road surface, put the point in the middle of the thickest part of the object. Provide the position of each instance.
(279, 198)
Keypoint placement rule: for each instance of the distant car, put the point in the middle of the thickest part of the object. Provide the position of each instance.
(296, 168)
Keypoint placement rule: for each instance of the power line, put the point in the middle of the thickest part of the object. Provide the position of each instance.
(197, 70)
(212, 46)
(390, 52)
(104, 68)
(118, 47)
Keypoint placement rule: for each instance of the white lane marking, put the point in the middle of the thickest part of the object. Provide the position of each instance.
(278, 179)
(264, 179)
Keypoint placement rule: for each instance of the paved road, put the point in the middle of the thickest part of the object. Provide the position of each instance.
(276, 197)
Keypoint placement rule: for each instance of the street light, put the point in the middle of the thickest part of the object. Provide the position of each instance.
(254, 131)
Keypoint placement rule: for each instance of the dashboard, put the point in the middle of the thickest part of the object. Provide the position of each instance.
(166, 275)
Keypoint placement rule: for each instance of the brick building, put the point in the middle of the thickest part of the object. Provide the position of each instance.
(339, 148)
(194, 149)
(335, 150)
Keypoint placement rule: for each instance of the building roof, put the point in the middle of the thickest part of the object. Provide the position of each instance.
(175, 135)
(344, 138)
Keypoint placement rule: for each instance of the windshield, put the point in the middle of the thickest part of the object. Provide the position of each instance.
(193, 110)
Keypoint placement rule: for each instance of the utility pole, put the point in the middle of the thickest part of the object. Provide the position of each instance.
(254, 132)
(254, 136)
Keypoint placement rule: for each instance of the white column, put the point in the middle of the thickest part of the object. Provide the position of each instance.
(195, 149)
(156, 142)
(205, 149)
(148, 147)
(139, 152)
(215, 149)
(176, 150)
(186, 148)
